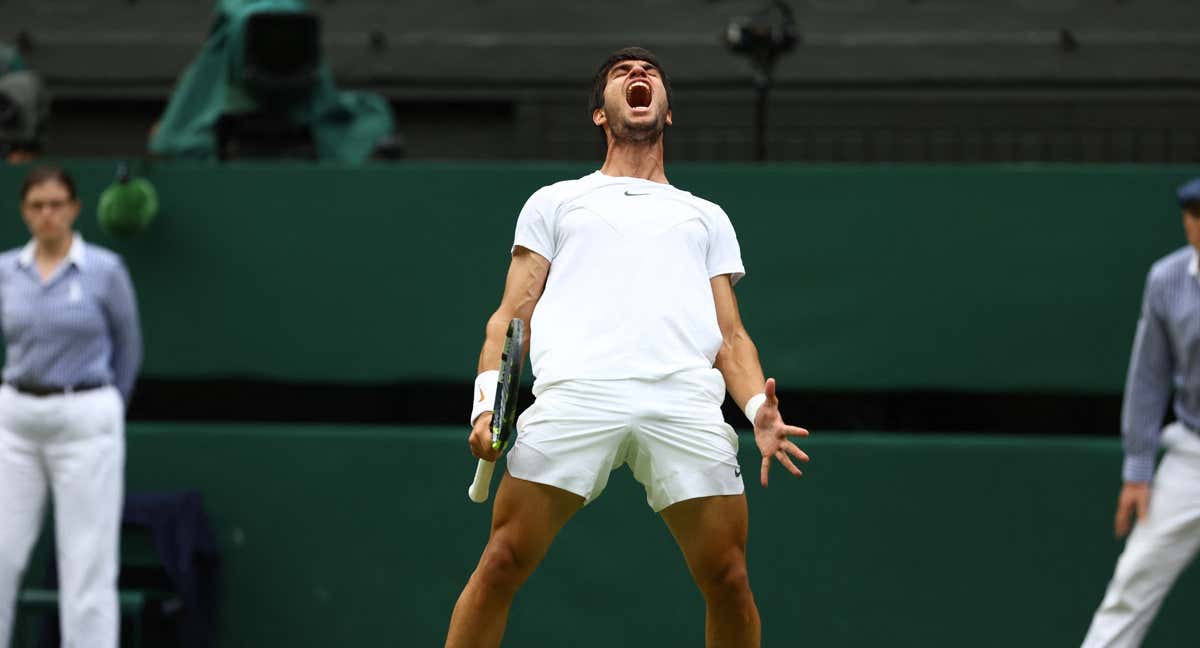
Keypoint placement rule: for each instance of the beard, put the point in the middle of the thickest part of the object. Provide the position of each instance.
(626, 131)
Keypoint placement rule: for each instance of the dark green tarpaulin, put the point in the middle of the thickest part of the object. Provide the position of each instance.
(980, 278)
(346, 125)
(10, 59)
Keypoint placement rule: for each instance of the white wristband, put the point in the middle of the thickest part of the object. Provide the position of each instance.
(752, 405)
(485, 393)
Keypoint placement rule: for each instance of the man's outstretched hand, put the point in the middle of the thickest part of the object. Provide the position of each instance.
(771, 434)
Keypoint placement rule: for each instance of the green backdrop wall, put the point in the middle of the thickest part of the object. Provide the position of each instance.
(977, 278)
(363, 536)
(983, 278)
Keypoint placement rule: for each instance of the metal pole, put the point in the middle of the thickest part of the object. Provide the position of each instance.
(762, 87)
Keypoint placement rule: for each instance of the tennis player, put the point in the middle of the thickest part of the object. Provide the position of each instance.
(627, 284)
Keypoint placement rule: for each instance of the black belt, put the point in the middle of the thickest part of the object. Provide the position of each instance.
(49, 390)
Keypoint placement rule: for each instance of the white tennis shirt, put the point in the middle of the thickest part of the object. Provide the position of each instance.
(628, 294)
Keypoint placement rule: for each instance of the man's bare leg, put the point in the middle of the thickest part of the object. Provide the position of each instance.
(711, 531)
(525, 518)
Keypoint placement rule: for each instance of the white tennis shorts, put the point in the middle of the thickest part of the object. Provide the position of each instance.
(670, 432)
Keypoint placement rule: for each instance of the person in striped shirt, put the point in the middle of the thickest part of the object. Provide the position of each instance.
(1163, 506)
(72, 351)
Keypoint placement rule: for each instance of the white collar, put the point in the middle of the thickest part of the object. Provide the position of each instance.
(1194, 265)
(75, 255)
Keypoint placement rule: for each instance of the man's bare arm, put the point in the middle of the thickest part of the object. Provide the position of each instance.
(738, 358)
(522, 289)
(739, 364)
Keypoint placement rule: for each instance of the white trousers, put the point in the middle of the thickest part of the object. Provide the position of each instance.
(75, 445)
(1158, 548)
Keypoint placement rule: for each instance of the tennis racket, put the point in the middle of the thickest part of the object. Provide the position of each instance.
(504, 412)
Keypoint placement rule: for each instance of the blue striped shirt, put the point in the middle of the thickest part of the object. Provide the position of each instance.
(1166, 359)
(79, 327)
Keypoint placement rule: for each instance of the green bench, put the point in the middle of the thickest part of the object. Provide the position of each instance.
(132, 603)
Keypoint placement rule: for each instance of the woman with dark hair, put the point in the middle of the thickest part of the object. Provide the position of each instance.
(73, 347)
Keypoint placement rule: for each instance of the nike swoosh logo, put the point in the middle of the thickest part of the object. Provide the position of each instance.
(737, 472)
(629, 193)
(481, 394)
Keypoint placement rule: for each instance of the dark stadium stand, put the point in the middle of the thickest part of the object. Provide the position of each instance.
(872, 80)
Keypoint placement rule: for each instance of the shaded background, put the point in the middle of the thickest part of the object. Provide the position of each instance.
(945, 255)
(872, 80)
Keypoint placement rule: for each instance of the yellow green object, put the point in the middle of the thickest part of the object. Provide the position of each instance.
(128, 206)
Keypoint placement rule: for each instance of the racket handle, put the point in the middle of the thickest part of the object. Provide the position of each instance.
(478, 492)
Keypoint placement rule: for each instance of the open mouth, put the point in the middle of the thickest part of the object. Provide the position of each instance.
(638, 95)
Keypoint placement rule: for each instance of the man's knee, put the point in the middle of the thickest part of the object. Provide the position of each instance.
(725, 577)
(1149, 563)
(502, 566)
